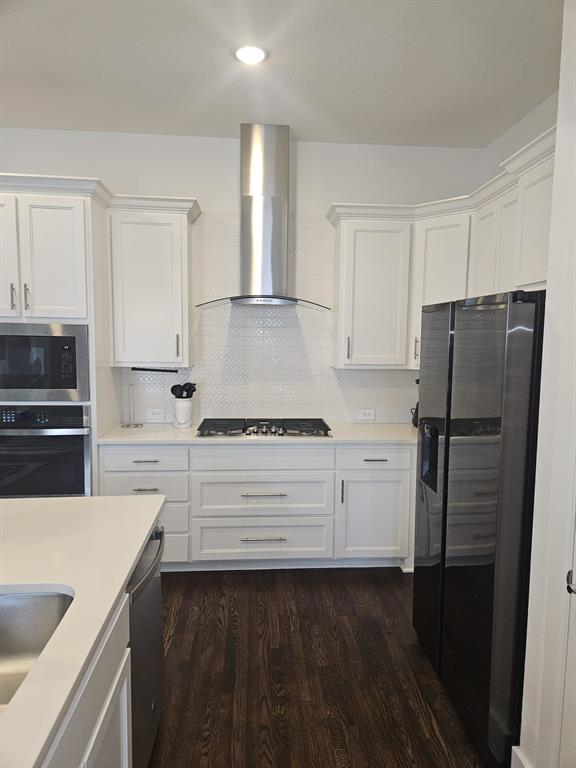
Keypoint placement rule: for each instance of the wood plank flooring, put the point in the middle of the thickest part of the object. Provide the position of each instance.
(300, 669)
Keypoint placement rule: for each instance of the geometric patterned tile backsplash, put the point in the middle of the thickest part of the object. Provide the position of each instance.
(269, 361)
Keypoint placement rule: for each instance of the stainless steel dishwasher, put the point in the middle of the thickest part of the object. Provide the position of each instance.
(147, 653)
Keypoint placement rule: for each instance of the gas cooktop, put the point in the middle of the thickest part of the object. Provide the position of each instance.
(264, 427)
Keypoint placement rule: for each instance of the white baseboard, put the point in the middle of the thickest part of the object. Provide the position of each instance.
(265, 565)
(519, 759)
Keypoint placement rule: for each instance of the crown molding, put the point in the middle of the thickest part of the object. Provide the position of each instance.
(185, 205)
(340, 211)
(536, 151)
(56, 185)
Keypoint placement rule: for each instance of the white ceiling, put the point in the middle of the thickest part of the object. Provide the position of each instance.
(424, 72)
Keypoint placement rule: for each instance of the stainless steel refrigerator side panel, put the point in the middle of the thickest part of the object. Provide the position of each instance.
(514, 515)
(432, 465)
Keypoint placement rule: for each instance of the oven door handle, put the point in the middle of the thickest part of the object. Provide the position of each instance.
(64, 432)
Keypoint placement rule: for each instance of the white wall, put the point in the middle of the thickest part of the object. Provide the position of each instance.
(261, 361)
(554, 505)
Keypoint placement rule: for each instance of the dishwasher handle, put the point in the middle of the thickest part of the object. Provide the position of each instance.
(135, 589)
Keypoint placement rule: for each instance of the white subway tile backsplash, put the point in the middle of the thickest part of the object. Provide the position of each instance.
(270, 361)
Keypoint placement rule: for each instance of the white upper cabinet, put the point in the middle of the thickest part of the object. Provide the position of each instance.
(42, 256)
(535, 204)
(439, 269)
(150, 284)
(373, 287)
(9, 272)
(52, 256)
(494, 246)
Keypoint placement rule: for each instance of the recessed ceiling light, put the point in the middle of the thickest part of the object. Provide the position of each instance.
(250, 54)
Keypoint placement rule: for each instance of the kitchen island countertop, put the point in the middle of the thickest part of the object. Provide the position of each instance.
(85, 547)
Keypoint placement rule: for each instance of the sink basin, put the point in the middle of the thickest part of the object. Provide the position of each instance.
(27, 622)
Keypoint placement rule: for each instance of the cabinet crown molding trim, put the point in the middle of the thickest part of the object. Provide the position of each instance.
(536, 151)
(186, 205)
(539, 149)
(21, 183)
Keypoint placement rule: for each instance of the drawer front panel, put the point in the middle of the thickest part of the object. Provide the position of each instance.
(136, 459)
(260, 538)
(238, 494)
(173, 486)
(373, 457)
(175, 518)
(255, 457)
(175, 548)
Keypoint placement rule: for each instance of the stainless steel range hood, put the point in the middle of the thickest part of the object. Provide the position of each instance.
(264, 153)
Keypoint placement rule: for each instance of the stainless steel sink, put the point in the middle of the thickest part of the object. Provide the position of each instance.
(27, 622)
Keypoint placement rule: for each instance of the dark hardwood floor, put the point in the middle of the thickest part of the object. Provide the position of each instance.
(300, 669)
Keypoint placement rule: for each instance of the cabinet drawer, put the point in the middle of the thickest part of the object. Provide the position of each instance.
(373, 457)
(238, 494)
(175, 518)
(173, 486)
(263, 538)
(256, 457)
(144, 459)
(175, 548)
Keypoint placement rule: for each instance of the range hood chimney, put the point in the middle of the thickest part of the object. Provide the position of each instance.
(264, 172)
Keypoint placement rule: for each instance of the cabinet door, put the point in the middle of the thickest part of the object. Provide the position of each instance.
(439, 269)
(374, 293)
(52, 256)
(372, 513)
(508, 242)
(9, 273)
(110, 745)
(484, 250)
(535, 204)
(149, 275)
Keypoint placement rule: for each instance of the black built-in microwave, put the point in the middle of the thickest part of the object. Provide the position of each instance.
(43, 362)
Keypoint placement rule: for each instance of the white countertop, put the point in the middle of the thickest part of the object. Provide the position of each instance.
(341, 433)
(87, 547)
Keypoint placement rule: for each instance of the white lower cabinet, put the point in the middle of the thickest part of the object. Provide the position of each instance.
(276, 503)
(262, 538)
(111, 742)
(96, 729)
(372, 519)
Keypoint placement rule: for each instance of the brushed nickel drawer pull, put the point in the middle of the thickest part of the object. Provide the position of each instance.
(26, 296)
(276, 538)
(375, 459)
(416, 347)
(145, 461)
(262, 495)
(348, 347)
(12, 296)
(145, 490)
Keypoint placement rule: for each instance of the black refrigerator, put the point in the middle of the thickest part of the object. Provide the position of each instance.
(478, 422)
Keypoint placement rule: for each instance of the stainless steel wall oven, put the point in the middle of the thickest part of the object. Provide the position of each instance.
(44, 450)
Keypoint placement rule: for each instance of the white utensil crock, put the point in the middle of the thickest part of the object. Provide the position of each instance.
(183, 412)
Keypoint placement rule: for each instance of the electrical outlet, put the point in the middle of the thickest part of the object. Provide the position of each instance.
(365, 414)
(154, 414)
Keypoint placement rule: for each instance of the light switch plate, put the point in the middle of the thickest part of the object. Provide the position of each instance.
(365, 414)
(154, 414)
